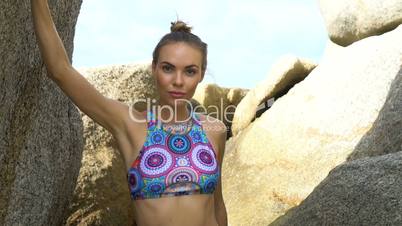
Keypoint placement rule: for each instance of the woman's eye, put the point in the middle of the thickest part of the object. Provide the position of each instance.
(166, 68)
(191, 72)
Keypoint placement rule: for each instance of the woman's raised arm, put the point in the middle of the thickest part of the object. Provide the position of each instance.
(111, 114)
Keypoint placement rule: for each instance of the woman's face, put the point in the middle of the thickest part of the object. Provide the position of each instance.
(178, 70)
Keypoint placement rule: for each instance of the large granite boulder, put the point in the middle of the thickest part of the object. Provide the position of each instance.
(348, 21)
(276, 161)
(219, 102)
(366, 191)
(102, 196)
(130, 83)
(40, 128)
(385, 135)
(285, 73)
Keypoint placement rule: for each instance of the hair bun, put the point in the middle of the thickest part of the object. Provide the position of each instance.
(180, 26)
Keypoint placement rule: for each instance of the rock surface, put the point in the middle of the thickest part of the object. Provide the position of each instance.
(366, 191)
(276, 162)
(348, 21)
(288, 71)
(386, 134)
(129, 83)
(40, 129)
(219, 102)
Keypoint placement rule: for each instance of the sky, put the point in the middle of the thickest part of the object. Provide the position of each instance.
(245, 38)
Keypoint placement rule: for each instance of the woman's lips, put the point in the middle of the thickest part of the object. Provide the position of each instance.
(176, 94)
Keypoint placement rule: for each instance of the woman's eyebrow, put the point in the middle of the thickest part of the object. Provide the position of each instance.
(165, 62)
(193, 65)
(189, 66)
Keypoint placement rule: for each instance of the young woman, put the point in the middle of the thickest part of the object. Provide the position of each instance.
(173, 155)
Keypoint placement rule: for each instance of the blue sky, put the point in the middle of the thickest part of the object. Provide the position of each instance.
(244, 37)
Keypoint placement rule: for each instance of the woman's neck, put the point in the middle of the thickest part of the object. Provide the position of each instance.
(169, 114)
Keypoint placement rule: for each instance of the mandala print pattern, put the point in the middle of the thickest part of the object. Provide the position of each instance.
(209, 182)
(135, 180)
(155, 161)
(182, 161)
(154, 185)
(202, 158)
(196, 136)
(179, 144)
(182, 174)
(174, 164)
(157, 137)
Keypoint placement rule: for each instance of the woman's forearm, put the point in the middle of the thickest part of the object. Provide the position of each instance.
(51, 47)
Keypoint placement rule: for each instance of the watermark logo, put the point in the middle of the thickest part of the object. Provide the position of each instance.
(215, 111)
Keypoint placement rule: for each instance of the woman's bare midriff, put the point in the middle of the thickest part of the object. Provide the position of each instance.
(184, 210)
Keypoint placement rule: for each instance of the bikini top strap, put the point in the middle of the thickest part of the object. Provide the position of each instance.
(151, 118)
(195, 117)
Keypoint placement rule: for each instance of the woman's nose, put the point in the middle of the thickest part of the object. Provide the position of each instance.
(178, 80)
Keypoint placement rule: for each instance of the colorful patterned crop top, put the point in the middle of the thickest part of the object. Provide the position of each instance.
(172, 164)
